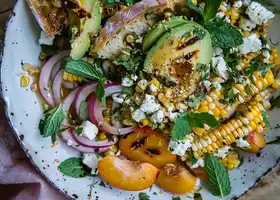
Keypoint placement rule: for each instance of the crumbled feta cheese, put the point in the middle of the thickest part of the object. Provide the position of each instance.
(127, 82)
(89, 130)
(237, 4)
(251, 44)
(241, 143)
(157, 117)
(266, 55)
(153, 88)
(70, 142)
(258, 13)
(207, 84)
(91, 160)
(179, 147)
(223, 152)
(149, 104)
(139, 40)
(220, 66)
(134, 77)
(45, 39)
(170, 107)
(118, 97)
(217, 85)
(246, 2)
(138, 115)
(246, 24)
(199, 163)
(172, 116)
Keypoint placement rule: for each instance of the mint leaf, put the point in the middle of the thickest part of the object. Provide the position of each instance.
(211, 9)
(100, 93)
(74, 167)
(51, 122)
(176, 198)
(181, 128)
(143, 196)
(275, 102)
(265, 119)
(83, 69)
(192, 6)
(197, 120)
(223, 34)
(194, 160)
(218, 179)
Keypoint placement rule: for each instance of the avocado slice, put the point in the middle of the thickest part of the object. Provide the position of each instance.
(89, 27)
(159, 30)
(178, 56)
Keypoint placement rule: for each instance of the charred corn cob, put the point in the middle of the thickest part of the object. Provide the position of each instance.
(71, 78)
(232, 160)
(231, 131)
(234, 15)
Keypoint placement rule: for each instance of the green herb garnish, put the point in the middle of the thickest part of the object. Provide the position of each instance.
(248, 90)
(74, 167)
(176, 198)
(143, 196)
(275, 102)
(265, 119)
(218, 179)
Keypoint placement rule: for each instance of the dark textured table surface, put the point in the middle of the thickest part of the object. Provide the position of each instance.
(267, 189)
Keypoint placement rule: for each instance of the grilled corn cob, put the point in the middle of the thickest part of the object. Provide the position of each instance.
(71, 78)
(231, 131)
(234, 15)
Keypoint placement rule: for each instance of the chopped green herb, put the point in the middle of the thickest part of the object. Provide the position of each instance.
(229, 97)
(187, 35)
(143, 196)
(253, 68)
(248, 90)
(218, 179)
(200, 33)
(79, 130)
(241, 162)
(100, 93)
(194, 160)
(154, 193)
(176, 198)
(74, 167)
(265, 119)
(275, 102)
(102, 184)
(128, 90)
(195, 101)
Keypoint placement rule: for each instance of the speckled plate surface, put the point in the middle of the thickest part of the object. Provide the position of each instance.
(24, 111)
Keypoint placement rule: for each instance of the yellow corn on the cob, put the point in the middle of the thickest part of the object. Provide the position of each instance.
(71, 78)
(232, 160)
(234, 15)
(229, 132)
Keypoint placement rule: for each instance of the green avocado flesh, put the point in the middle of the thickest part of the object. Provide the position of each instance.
(89, 27)
(177, 55)
(159, 30)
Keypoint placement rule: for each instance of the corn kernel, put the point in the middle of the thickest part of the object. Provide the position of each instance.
(253, 125)
(144, 122)
(24, 81)
(109, 153)
(259, 84)
(230, 166)
(199, 131)
(102, 136)
(216, 112)
(203, 109)
(113, 148)
(155, 82)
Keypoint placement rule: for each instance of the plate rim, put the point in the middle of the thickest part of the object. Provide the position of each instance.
(29, 157)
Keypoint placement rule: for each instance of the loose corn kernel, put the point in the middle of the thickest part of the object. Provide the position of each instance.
(71, 78)
(144, 122)
(102, 136)
(24, 81)
(198, 131)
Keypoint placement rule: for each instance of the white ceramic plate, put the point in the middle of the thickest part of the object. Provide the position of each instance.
(24, 111)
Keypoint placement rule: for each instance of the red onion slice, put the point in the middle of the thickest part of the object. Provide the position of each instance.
(55, 70)
(66, 105)
(45, 76)
(69, 85)
(82, 94)
(83, 141)
(96, 115)
(56, 87)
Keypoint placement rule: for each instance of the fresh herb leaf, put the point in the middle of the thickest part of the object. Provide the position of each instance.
(189, 120)
(192, 6)
(195, 101)
(197, 196)
(223, 34)
(276, 11)
(229, 96)
(132, 61)
(200, 33)
(181, 127)
(218, 179)
(194, 160)
(100, 93)
(176, 198)
(265, 119)
(51, 122)
(83, 69)
(248, 90)
(79, 130)
(49, 49)
(74, 167)
(211, 9)
(102, 184)
(128, 90)
(241, 162)
(187, 35)
(154, 193)
(249, 71)
(276, 141)
(143, 196)
(275, 102)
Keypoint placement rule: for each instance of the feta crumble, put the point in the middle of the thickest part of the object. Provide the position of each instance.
(237, 4)
(207, 84)
(118, 97)
(219, 65)
(138, 115)
(241, 143)
(153, 88)
(127, 82)
(91, 160)
(246, 24)
(134, 77)
(89, 130)
(70, 142)
(266, 55)
(217, 86)
(149, 104)
(157, 117)
(199, 163)
(246, 2)
(172, 116)
(223, 152)
(258, 13)
(179, 147)
(45, 39)
(251, 44)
